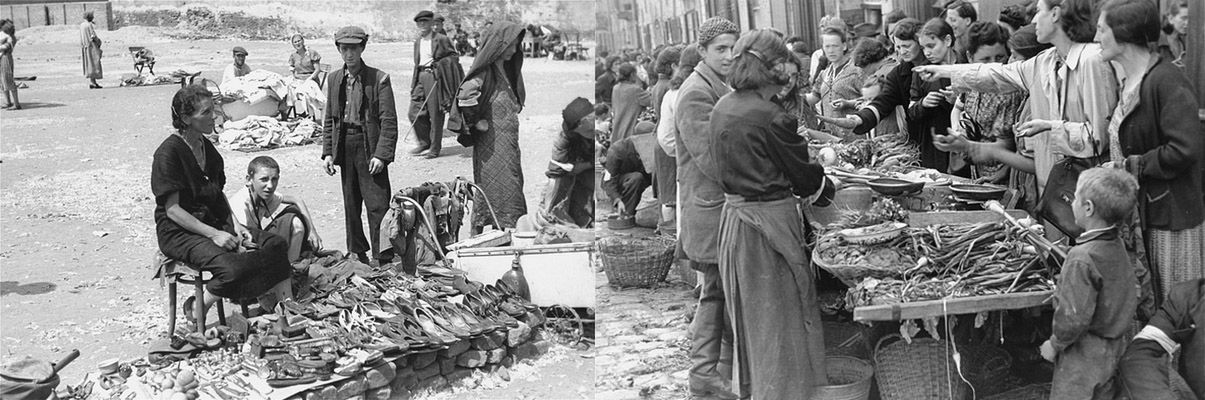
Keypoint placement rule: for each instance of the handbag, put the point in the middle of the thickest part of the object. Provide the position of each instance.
(1054, 206)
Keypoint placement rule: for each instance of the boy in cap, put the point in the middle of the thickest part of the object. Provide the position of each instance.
(702, 201)
(239, 67)
(358, 135)
(437, 74)
(567, 199)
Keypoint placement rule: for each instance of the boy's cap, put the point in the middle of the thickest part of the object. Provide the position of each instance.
(439, 18)
(424, 15)
(351, 35)
(240, 50)
(576, 110)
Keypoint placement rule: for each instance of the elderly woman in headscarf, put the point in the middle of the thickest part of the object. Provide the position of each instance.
(490, 100)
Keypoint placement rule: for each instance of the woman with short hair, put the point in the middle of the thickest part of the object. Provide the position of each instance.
(841, 80)
(762, 165)
(1159, 140)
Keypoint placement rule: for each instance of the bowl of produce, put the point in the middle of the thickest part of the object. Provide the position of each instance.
(978, 192)
(895, 187)
(873, 234)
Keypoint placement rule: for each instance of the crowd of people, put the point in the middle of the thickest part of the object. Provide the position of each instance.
(248, 240)
(1051, 88)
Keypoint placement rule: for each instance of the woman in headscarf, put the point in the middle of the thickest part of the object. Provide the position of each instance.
(629, 99)
(90, 48)
(8, 85)
(490, 100)
(762, 166)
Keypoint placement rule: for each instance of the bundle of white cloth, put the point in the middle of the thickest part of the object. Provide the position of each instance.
(264, 132)
(256, 86)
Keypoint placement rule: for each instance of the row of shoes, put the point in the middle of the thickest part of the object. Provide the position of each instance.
(387, 310)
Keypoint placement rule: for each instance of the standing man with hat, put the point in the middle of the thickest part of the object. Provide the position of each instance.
(359, 135)
(239, 68)
(437, 76)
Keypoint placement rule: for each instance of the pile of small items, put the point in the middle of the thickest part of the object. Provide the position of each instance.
(349, 318)
(934, 262)
(956, 260)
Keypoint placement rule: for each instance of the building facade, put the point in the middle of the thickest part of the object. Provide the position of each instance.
(647, 24)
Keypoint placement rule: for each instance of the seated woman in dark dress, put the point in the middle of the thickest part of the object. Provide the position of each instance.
(193, 220)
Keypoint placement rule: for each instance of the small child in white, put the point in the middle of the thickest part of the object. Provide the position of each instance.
(259, 207)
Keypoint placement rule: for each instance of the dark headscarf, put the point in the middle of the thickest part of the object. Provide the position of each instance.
(1025, 42)
(494, 42)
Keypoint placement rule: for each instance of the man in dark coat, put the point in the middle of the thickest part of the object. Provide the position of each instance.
(437, 74)
(702, 201)
(359, 135)
(1144, 369)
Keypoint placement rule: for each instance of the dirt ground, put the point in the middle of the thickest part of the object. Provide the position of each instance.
(76, 225)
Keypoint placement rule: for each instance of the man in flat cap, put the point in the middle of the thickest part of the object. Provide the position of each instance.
(359, 134)
(239, 68)
(437, 76)
(702, 200)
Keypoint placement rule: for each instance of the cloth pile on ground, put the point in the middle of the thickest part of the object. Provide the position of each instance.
(144, 80)
(259, 132)
(256, 86)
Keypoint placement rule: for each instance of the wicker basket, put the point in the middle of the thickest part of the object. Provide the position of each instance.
(987, 368)
(913, 371)
(846, 339)
(851, 274)
(636, 262)
(849, 379)
(1037, 391)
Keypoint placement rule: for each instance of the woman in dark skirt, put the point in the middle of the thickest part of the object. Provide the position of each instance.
(764, 170)
(193, 221)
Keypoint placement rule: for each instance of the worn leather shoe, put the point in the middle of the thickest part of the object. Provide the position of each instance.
(711, 388)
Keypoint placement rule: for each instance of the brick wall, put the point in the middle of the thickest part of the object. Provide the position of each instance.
(59, 13)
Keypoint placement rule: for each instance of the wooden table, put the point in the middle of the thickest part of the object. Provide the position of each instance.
(961, 305)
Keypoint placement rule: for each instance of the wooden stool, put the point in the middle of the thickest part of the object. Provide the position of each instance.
(172, 271)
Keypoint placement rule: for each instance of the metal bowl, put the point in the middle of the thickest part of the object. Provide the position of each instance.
(978, 192)
(895, 187)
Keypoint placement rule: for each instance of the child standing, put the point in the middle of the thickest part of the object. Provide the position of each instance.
(260, 208)
(1096, 296)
